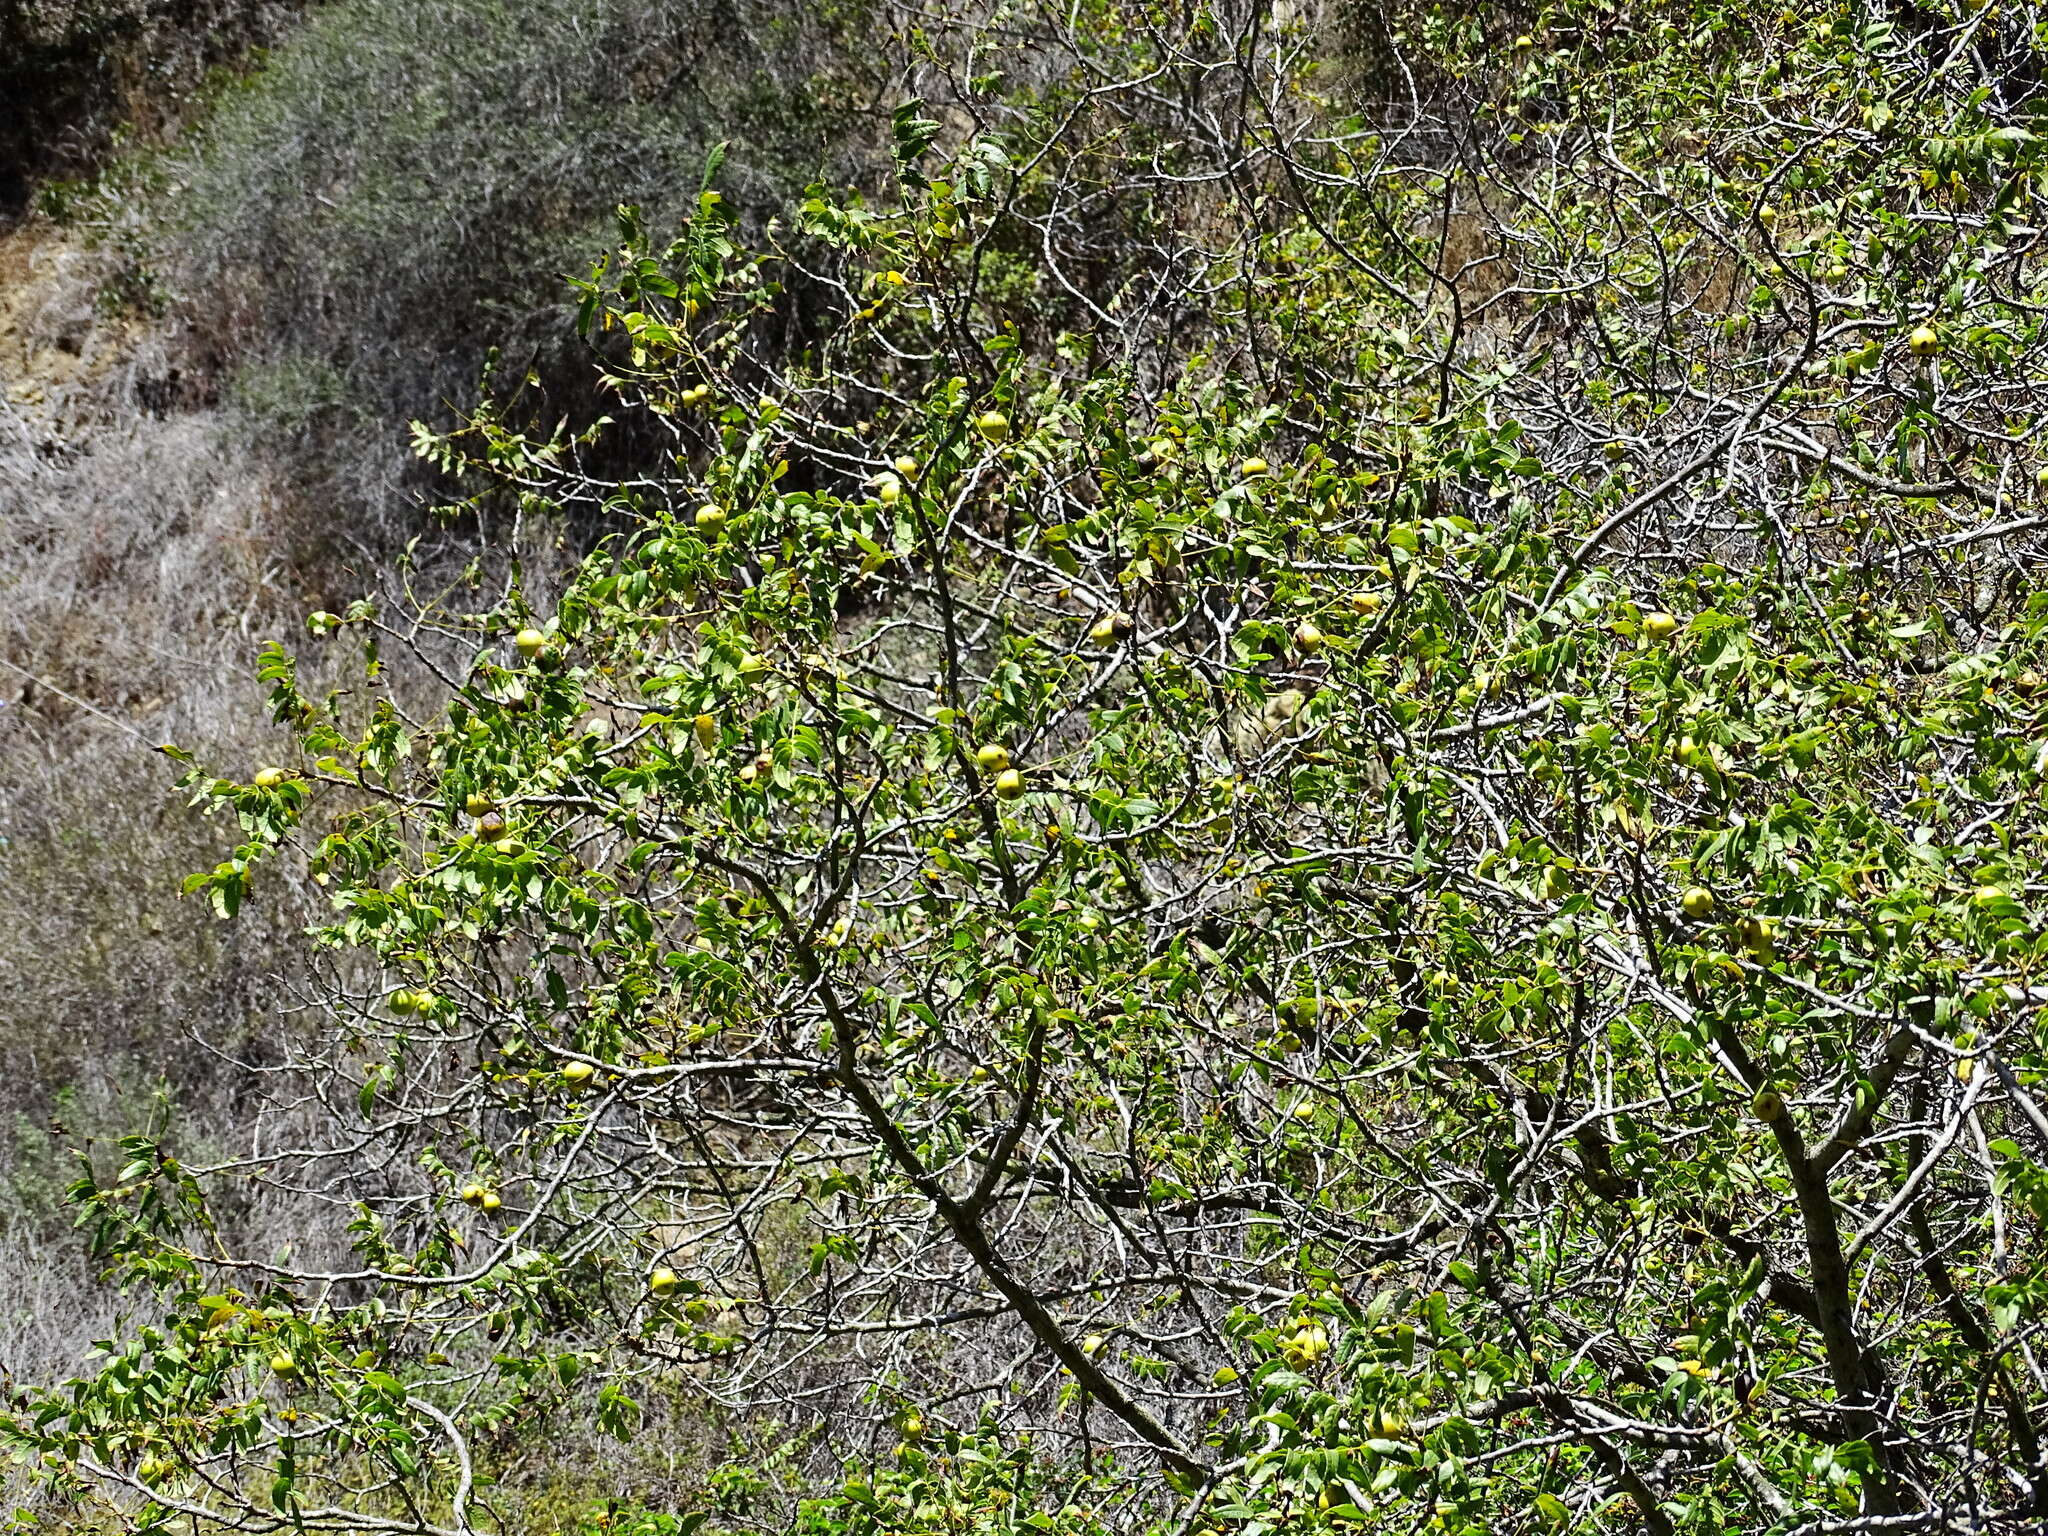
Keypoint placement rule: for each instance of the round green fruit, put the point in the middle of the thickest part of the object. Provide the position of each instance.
(1768, 1105)
(1698, 903)
(269, 778)
(993, 425)
(1010, 784)
(991, 757)
(1660, 626)
(662, 1282)
(529, 643)
(577, 1073)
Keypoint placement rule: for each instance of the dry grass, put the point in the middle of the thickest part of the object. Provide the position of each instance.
(140, 563)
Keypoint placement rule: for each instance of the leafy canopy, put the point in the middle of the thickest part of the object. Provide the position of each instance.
(1279, 816)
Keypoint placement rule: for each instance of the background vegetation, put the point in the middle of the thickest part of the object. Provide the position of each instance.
(230, 278)
(1295, 782)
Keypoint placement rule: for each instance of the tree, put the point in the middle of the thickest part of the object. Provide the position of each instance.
(1280, 817)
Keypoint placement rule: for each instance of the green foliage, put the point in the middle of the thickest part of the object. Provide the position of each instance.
(1340, 841)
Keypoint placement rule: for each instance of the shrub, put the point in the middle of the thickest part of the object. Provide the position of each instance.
(79, 75)
(401, 189)
(1299, 918)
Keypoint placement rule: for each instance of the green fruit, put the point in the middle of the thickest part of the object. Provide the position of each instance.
(1767, 1105)
(705, 728)
(490, 1201)
(508, 847)
(529, 642)
(1698, 903)
(1660, 626)
(1924, 342)
(269, 778)
(473, 1194)
(1251, 469)
(1308, 638)
(404, 1001)
(1009, 784)
(577, 1073)
(991, 757)
(709, 518)
(662, 1282)
(993, 425)
(477, 805)
(284, 1365)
